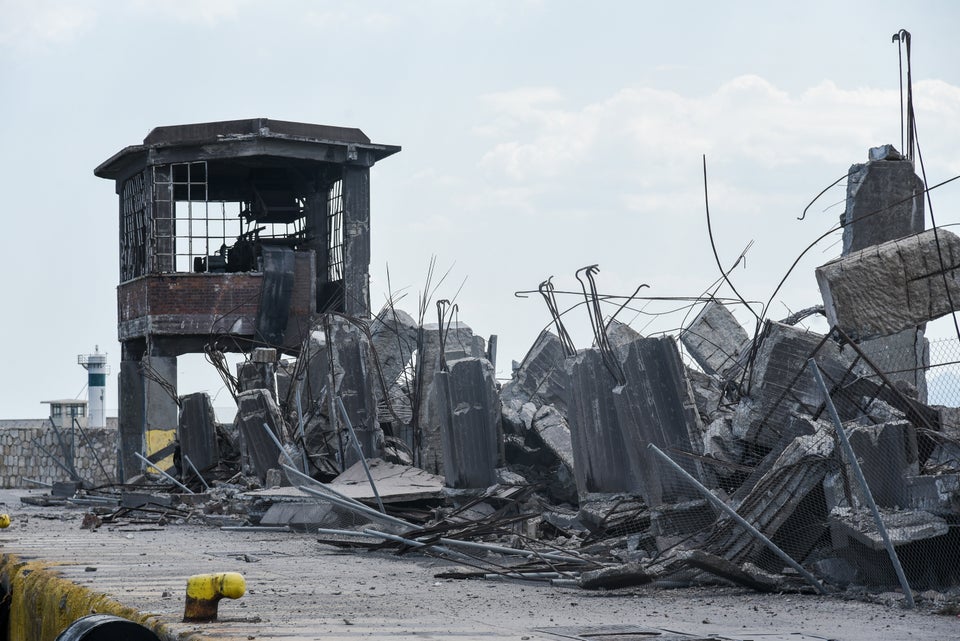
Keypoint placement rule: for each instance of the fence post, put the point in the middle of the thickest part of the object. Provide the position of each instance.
(858, 473)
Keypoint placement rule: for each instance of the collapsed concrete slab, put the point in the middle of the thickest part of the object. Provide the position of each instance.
(776, 497)
(714, 339)
(468, 410)
(599, 451)
(541, 378)
(884, 201)
(656, 406)
(781, 383)
(895, 286)
(903, 526)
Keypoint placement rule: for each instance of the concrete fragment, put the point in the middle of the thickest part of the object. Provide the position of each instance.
(884, 201)
(656, 406)
(259, 372)
(197, 432)
(714, 339)
(939, 494)
(618, 576)
(258, 451)
(754, 579)
(887, 454)
(707, 393)
(903, 356)
(352, 377)
(468, 410)
(719, 442)
(541, 378)
(775, 498)
(619, 336)
(681, 519)
(600, 464)
(459, 342)
(903, 526)
(782, 383)
(303, 517)
(393, 333)
(888, 288)
(554, 432)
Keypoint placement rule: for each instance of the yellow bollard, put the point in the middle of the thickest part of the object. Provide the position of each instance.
(4, 520)
(204, 592)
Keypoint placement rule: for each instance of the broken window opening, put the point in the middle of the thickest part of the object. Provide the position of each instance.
(335, 231)
(133, 231)
(199, 230)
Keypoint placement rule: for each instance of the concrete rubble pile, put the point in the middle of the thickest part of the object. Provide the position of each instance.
(626, 462)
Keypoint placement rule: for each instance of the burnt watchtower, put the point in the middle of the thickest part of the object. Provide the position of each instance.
(232, 232)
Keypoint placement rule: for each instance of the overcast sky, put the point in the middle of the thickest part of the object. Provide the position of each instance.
(538, 137)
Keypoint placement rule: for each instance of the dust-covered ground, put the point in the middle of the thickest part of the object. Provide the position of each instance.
(298, 588)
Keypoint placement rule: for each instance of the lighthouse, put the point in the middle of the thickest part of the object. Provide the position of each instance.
(97, 370)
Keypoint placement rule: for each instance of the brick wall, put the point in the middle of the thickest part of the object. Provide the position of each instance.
(201, 304)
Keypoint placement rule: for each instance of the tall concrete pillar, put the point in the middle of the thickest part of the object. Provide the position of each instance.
(148, 402)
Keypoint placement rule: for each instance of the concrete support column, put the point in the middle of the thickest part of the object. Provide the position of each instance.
(356, 241)
(148, 402)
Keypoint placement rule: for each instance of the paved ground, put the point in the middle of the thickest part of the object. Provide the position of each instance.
(300, 589)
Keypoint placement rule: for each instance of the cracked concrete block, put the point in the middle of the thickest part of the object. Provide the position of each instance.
(900, 357)
(460, 342)
(656, 406)
(468, 410)
(552, 428)
(393, 333)
(714, 339)
(197, 431)
(884, 201)
(782, 383)
(255, 408)
(898, 285)
(887, 454)
(541, 377)
(600, 464)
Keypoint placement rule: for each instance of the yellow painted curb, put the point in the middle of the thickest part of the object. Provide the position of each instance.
(42, 604)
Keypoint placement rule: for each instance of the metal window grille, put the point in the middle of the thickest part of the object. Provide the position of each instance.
(335, 231)
(133, 235)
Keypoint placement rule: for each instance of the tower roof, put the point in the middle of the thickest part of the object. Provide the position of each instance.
(254, 137)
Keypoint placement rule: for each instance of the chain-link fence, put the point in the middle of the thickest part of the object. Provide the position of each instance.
(784, 496)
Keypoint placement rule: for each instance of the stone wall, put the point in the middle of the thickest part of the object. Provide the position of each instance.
(21, 457)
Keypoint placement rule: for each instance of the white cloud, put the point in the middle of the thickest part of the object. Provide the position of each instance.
(208, 12)
(537, 137)
(34, 25)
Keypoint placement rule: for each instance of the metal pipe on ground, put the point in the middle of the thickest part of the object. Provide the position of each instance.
(164, 474)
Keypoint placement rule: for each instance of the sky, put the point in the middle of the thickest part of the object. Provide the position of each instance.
(538, 137)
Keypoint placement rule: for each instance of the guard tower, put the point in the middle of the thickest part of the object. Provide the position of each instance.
(232, 232)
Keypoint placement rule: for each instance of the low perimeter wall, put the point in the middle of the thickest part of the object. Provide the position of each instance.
(36, 453)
